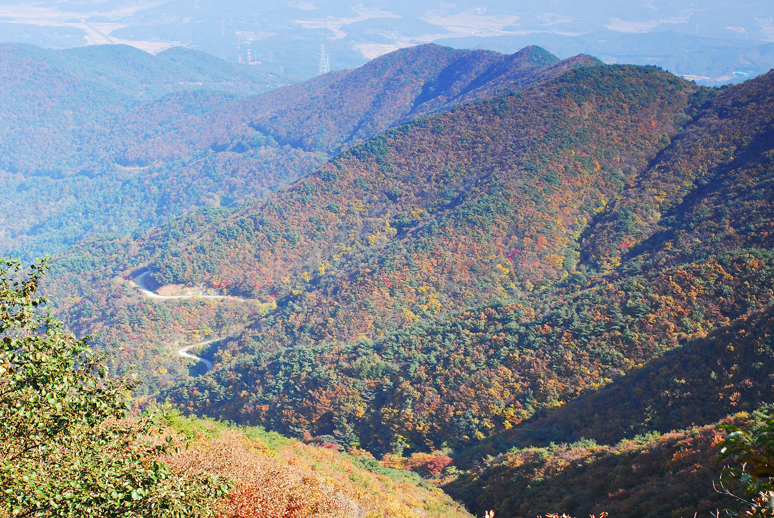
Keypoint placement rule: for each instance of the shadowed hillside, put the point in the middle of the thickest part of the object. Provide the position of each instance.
(356, 105)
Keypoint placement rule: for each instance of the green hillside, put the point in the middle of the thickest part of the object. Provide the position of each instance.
(622, 304)
(585, 258)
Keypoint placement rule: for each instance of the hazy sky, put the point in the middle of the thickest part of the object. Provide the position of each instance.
(714, 40)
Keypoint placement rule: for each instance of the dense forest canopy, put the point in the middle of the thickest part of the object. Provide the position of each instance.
(511, 274)
(112, 140)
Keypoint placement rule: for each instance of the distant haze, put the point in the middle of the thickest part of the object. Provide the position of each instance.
(711, 41)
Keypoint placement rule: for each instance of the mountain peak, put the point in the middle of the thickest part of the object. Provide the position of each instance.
(534, 55)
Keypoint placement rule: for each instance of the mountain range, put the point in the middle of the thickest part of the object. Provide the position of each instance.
(545, 269)
(714, 42)
(89, 159)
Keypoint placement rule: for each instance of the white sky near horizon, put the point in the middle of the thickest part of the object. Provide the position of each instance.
(369, 28)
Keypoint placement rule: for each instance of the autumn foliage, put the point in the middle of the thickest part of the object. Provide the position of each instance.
(283, 478)
(543, 286)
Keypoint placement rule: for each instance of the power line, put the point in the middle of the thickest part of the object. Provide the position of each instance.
(325, 64)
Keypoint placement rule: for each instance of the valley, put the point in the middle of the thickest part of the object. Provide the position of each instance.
(535, 283)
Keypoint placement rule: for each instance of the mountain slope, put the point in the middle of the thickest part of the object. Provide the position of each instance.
(589, 257)
(360, 103)
(420, 206)
(279, 477)
(699, 383)
(705, 263)
(416, 224)
(653, 475)
(122, 144)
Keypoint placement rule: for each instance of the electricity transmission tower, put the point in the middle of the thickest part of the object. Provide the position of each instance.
(325, 65)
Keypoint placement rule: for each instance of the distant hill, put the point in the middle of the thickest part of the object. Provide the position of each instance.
(68, 117)
(356, 105)
(709, 59)
(111, 139)
(57, 106)
(337, 110)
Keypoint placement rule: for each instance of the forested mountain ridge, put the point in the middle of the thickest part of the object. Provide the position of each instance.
(333, 111)
(111, 139)
(606, 450)
(405, 222)
(420, 206)
(355, 105)
(486, 278)
(336, 110)
(534, 352)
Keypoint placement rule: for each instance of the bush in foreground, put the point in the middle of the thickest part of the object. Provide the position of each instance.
(67, 444)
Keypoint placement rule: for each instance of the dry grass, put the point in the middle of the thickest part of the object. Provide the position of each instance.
(294, 480)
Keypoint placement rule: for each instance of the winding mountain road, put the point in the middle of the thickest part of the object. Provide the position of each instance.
(139, 283)
(185, 354)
